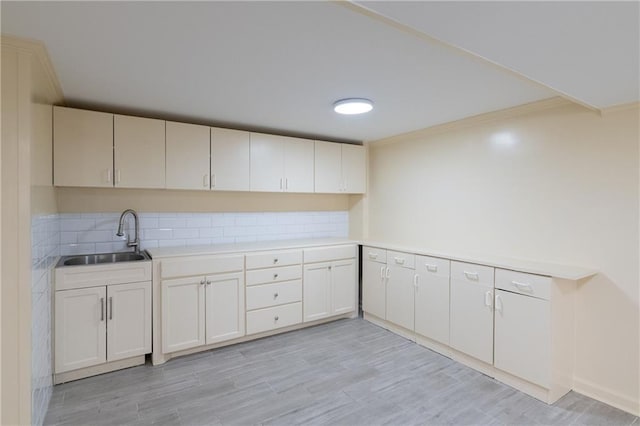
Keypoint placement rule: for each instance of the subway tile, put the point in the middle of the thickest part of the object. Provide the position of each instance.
(198, 222)
(77, 225)
(171, 243)
(185, 233)
(71, 249)
(94, 236)
(211, 232)
(174, 222)
(157, 234)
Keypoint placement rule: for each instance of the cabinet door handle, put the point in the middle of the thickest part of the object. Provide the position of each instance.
(498, 306)
(281, 184)
(488, 299)
(382, 272)
(522, 286)
(388, 273)
(202, 281)
(471, 275)
(286, 184)
(208, 282)
(205, 181)
(213, 180)
(110, 308)
(117, 176)
(344, 185)
(109, 175)
(102, 309)
(415, 282)
(431, 268)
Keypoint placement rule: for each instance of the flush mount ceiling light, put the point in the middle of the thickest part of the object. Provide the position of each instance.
(353, 106)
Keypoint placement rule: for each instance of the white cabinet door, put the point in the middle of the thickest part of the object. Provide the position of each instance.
(523, 337)
(139, 152)
(354, 169)
(343, 286)
(432, 299)
(224, 307)
(80, 328)
(187, 156)
(471, 319)
(128, 320)
(316, 293)
(374, 288)
(230, 160)
(328, 169)
(400, 297)
(267, 163)
(183, 313)
(298, 165)
(82, 148)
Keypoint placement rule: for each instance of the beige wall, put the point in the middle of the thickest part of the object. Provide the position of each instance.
(558, 185)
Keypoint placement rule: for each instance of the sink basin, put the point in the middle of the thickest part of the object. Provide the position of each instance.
(95, 259)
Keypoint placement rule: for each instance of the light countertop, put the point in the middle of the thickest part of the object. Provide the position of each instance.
(157, 253)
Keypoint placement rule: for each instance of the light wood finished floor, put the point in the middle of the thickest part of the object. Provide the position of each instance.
(348, 372)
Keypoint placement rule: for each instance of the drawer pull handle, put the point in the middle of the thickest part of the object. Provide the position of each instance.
(276, 318)
(471, 275)
(275, 295)
(275, 276)
(488, 299)
(522, 286)
(373, 255)
(275, 260)
(431, 268)
(399, 260)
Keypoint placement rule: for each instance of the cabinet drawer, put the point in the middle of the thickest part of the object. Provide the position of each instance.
(326, 254)
(374, 254)
(433, 266)
(200, 265)
(401, 259)
(273, 318)
(523, 283)
(70, 277)
(267, 295)
(272, 275)
(273, 258)
(470, 272)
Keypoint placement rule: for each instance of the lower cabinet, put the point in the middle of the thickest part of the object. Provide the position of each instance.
(471, 310)
(401, 281)
(374, 281)
(202, 310)
(432, 298)
(329, 287)
(101, 324)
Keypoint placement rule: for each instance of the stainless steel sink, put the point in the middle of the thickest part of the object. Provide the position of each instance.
(95, 259)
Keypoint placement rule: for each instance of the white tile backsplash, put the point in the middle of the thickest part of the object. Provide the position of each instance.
(45, 243)
(95, 232)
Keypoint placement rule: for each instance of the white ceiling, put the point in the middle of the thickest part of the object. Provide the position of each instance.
(279, 66)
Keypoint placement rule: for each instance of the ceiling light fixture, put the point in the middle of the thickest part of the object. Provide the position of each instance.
(353, 106)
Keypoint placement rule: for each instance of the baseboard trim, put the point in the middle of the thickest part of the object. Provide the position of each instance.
(608, 396)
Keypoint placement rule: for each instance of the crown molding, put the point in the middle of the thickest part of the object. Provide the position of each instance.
(39, 51)
(477, 120)
(621, 107)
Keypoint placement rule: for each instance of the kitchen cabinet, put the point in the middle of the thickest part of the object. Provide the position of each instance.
(203, 301)
(281, 164)
(101, 324)
(138, 152)
(330, 281)
(82, 148)
(102, 314)
(471, 310)
(188, 152)
(401, 281)
(432, 298)
(274, 290)
(523, 326)
(374, 281)
(339, 168)
(230, 160)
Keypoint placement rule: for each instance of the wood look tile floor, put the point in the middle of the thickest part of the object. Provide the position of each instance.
(348, 372)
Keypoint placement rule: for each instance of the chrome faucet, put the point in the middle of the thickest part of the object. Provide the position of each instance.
(136, 241)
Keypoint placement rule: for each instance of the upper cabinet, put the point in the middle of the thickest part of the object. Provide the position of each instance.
(139, 152)
(281, 164)
(340, 168)
(82, 148)
(187, 156)
(230, 160)
(96, 149)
